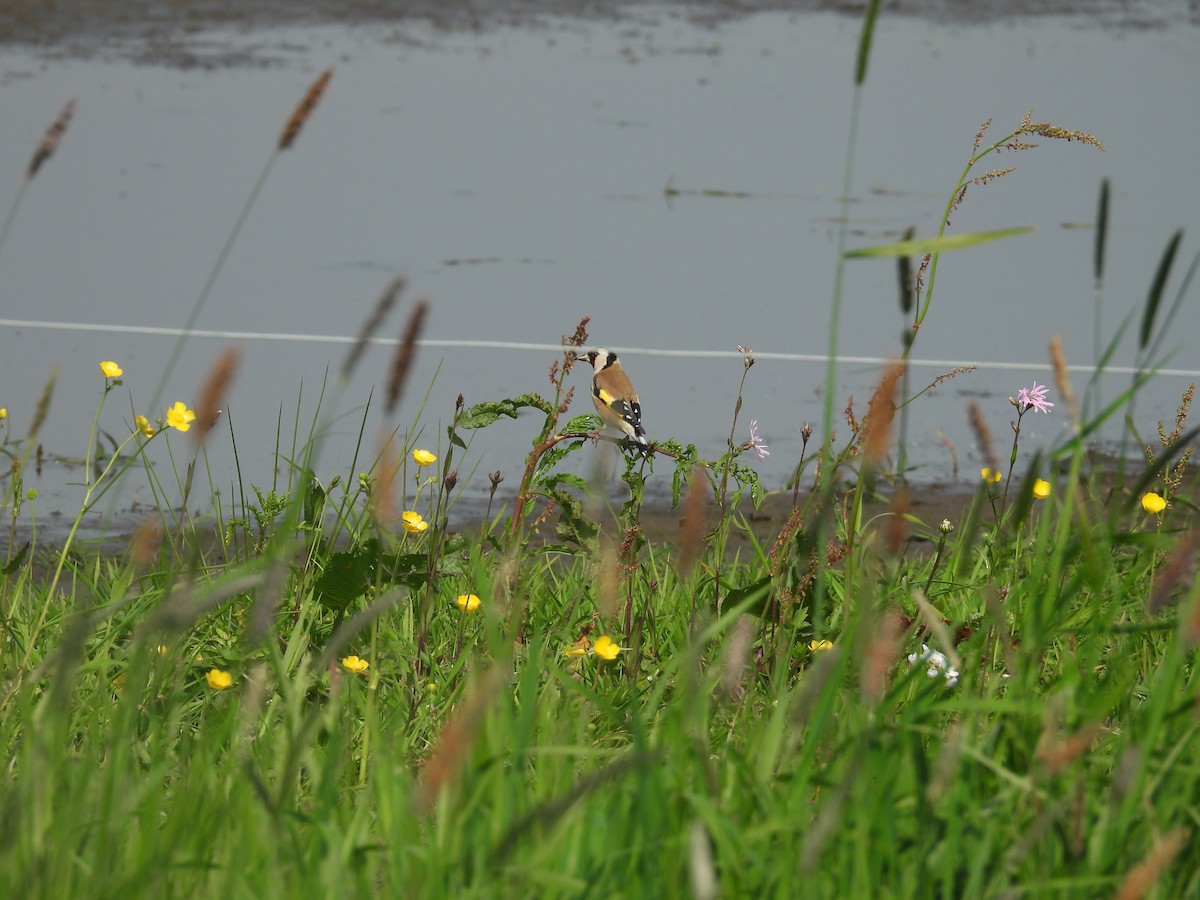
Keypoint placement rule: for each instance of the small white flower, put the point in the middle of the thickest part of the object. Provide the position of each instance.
(937, 659)
(952, 677)
(932, 673)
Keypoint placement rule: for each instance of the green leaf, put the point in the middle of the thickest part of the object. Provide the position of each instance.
(758, 592)
(588, 422)
(908, 293)
(568, 479)
(483, 414)
(554, 455)
(16, 561)
(314, 500)
(864, 43)
(937, 245)
(1156, 289)
(1101, 232)
(347, 576)
(572, 525)
(408, 569)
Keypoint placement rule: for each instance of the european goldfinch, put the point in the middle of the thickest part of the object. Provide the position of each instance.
(616, 400)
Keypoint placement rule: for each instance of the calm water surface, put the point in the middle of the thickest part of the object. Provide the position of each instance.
(516, 174)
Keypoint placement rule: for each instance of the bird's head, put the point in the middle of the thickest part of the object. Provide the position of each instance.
(599, 359)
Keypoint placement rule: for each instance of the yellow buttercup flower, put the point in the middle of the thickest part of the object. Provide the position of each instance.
(110, 369)
(818, 646)
(354, 665)
(1153, 503)
(423, 458)
(218, 680)
(143, 425)
(3, 413)
(468, 602)
(180, 417)
(1041, 489)
(991, 476)
(412, 522)
(606, 648)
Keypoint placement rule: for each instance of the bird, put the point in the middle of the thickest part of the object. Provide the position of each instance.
(616, 400)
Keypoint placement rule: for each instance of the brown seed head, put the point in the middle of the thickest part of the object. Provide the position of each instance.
(694, 523)
(50, 141)
(1141, 878)
(42, 410)
(1062, 378)
(215, 390)
(304, 109)
(143, 549)
(382, 307)
(983, 436)
(1045, 129)
(455, 742)
(880, 412)
(897, 529)
(383, 505)
(737, 652)
(405, 353)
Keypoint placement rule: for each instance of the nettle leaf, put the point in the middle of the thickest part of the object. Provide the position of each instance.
(685, 463)
(587, 422)
(572, 525)
(455, 557)
(483, 414)
(755, 594)
(408, 569)
(352, 573)
(637, 486)
(555, 454)
(557, 479)
(347, 576)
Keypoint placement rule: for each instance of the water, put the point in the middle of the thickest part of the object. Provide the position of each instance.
(517, 175)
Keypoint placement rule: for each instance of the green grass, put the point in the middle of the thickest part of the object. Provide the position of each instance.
(718, 753)
(1003, 704)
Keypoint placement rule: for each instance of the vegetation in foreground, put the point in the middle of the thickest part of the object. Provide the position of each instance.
(345, 697)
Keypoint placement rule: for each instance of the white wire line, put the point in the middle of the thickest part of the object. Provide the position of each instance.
(943, 364)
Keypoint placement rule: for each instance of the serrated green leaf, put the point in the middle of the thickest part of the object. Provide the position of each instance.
(483, 414)
(347, 576)
(758, 592)
(555, 454)
(587, 422)
(568, 479)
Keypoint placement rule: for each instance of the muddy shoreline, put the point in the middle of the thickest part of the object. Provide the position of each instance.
(223, 34)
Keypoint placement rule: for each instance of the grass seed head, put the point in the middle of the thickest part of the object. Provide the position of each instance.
(372, 324)
(216, 389)
(50, 141)
(405, 353)
(304, 109)
(983, 436)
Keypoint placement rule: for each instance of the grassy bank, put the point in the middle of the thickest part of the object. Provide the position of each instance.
(343, 696)
(339, 695)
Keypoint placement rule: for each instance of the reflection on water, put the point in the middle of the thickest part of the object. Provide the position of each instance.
(679, 183)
